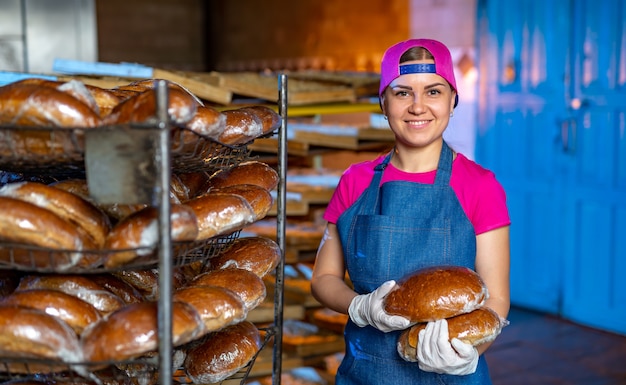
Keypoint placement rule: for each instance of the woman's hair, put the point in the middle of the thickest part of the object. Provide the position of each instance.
(416, 53)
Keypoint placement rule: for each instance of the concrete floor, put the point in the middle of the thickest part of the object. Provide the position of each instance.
(538, 349)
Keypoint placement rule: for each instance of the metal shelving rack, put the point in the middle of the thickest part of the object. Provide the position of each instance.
(165, 245)
(156, 191)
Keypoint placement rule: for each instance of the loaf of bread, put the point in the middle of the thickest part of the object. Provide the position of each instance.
(249, 172)
(195, 182)
(435, 293)
(132, 331)
(179, 189)
(30, 225)
(241, 127)
(142, 107)
(220, 214)
(258, 197)
(73, 87)
(269, 118)
(119, 287)
(31, 333)
(77, 313)
(79, 286)
(115, 211)
(259, 255)
(207, 122)
(247, 285)
(475, 328)
(104, 98)
(68, 206)
(137, 235)
(142, 85)
(146, 281)
(36, 105)
(218, 307)
(223, 353)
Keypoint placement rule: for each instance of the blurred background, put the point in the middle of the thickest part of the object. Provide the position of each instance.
(542, 101)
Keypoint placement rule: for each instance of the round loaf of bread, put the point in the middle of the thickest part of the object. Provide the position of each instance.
(218, 307)
(31, 333)
(137, 235)
(220, 214)
(258, 197)
(223, 353)
(77, 313)
(259, 255)
(249, 172)
(132, 331)
(435, 293)
(68, 206)
(241, 127)
(79, 286)
(475, 328)
(247, 285)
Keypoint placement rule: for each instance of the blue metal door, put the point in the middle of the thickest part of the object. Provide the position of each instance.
(522, 58)
(552, 125)
(594, 146)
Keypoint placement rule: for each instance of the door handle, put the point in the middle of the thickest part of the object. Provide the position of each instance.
(568, 135)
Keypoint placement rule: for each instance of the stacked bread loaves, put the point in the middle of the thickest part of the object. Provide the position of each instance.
(86, 234)
(454, 293)
(112, 317)
(65, 109)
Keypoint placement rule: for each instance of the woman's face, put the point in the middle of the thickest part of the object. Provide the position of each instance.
(418, 107)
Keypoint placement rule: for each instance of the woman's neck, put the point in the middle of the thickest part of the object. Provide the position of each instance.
(416, 160)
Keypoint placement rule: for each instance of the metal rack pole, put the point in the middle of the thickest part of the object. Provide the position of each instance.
(280, 230)
(165, 244)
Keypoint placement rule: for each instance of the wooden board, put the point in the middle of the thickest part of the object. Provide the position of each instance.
(309, 139)
(201, 89)
(318, 345)
(264, 313)
(299, 92)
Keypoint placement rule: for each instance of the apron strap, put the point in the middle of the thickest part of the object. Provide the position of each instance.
(444, 168)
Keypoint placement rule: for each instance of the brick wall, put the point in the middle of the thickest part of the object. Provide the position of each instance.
(161, 33)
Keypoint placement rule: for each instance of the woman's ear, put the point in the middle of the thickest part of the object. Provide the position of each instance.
(453, 100)
(381, 103)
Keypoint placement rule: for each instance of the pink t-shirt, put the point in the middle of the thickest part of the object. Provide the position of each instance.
(482, 197)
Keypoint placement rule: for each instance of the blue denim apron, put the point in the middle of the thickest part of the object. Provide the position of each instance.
(390, 231)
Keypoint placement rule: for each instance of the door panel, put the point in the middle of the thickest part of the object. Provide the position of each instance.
(520, 109)
(554, 131)
(595, 182)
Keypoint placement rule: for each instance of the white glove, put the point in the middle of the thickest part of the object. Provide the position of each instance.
(435, 353)
(367, 309)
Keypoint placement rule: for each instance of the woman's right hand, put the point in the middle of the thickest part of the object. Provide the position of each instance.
(367, 309)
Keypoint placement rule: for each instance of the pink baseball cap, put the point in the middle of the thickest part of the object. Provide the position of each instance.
(390, 67)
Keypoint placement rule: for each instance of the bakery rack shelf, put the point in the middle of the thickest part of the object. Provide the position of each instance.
(165, 159)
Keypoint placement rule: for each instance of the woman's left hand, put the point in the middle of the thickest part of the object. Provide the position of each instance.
(436, 353)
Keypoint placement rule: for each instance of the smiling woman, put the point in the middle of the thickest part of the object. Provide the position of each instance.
(419, 206)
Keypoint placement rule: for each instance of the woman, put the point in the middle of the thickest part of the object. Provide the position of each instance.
(420, 205)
